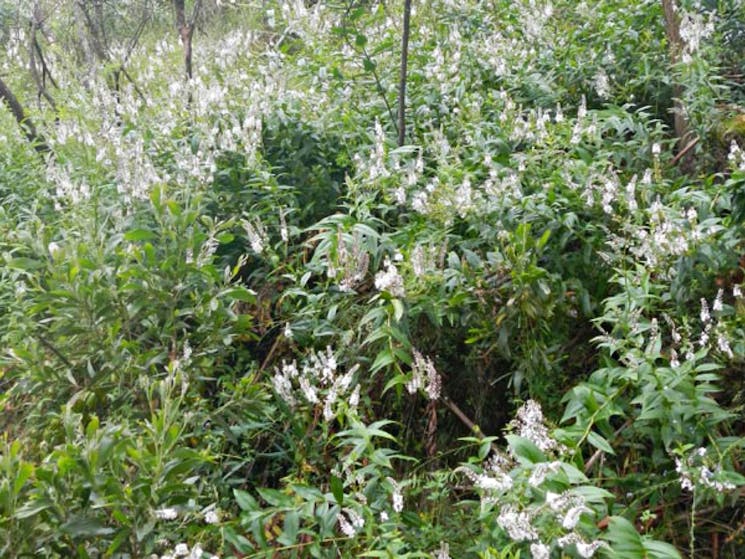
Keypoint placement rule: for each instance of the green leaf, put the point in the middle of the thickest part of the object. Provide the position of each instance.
(86, 526)
(290, 528)
(24, 472)
(383, 359)
(241, 294)
(26, 264)
(660, 550)
(245, 500)
(624, 539)
(525, 450)
(398, 309)
(32, 508)
(337, 489)
(136, 235)
(274, 497)
(599, 442)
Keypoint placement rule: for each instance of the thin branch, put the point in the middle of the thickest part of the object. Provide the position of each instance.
(33, 48)
(371, 65)
(402, 75)
(45, 71)
(195, 13)
(23, 121)
(475, 429)
(594, 458)
(685, 150)
(57, 352)
(139, 92)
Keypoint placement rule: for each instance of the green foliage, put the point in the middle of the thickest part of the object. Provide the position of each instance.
(237, 319)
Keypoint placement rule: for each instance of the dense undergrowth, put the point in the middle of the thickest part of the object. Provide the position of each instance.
(239, 320)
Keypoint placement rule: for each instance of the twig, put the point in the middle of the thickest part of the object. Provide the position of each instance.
(594, 458)
(685, 150)
(139, 92)
(269, 355)
(475, 429)
(33, 49)
(57, 352)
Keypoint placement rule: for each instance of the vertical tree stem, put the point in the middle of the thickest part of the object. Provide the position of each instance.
(6, 95)
(402, 77)
(675, 47)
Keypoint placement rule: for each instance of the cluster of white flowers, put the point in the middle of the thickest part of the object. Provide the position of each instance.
(375, 167)
(695, 471)
(390, 280)
(397, 498)
(443, 552)
(584, 548)
(68, 190)
(582, 125)
(135, 172)
(168, 513)
(350, 522)
(424, 376)
(736, 156)
(568, 505)
(351, 263)
(210, 515)
(183, 550)
(518, 524)
(318, 381)
(529, 424)
(539, 550)
(693, 30)
(256, 233)
(709, 326)
(541, 471)
(668, 234)
(423, 259)
(494, 479)
(602, 84)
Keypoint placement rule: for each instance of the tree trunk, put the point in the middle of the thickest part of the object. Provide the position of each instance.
(675, 46)
(186, 31)
(402, 76)
(23, 121)
(34, 50)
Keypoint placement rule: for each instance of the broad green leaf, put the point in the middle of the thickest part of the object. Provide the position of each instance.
(136, 235)
(245, 500)
(86, 526)
(599, 442)
(337, 489)
(525, 450)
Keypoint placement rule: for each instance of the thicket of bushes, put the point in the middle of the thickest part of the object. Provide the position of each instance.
(238, 319)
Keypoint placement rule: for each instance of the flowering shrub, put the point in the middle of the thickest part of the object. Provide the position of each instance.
(241, 320)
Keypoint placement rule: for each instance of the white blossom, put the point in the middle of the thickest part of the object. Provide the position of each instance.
(390, 280)
(540, 550)
(443, 552)
(166, 514)
(517, 524)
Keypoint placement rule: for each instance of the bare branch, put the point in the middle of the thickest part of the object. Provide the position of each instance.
(34, 49)
(23, 121)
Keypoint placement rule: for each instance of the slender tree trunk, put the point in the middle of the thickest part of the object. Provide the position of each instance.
(34, 50)
(676, 46)
(402, 76)
(186, 31)
(23, 121)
